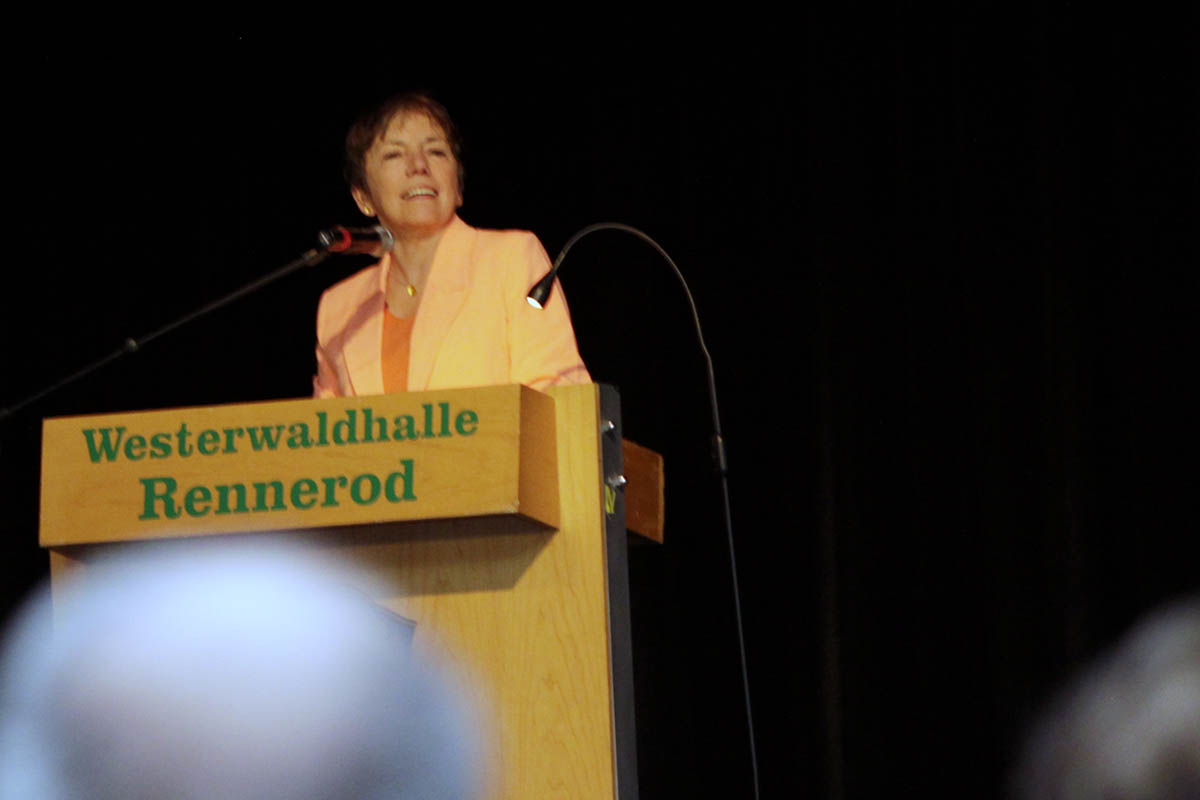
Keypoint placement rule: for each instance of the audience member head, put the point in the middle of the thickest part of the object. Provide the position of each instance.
(222, 672)
(1129, 728)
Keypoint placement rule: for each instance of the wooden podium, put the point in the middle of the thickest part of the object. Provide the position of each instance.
(494, 518)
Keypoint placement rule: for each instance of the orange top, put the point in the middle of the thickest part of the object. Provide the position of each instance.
(396, 345)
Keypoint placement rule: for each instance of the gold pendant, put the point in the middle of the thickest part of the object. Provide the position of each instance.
(412, 290)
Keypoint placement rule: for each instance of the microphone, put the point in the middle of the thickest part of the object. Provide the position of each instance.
(340, 239)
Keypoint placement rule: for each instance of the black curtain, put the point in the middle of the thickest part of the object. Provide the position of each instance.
(946, 271)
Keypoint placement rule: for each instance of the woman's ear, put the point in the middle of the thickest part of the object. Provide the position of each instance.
(362, 200)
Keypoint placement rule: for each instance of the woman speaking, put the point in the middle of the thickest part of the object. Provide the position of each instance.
(446, 307)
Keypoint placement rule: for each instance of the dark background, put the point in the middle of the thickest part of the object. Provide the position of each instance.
(947, 273)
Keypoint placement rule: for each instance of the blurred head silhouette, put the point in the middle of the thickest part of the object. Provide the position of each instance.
(222, 672)
(1129, 729)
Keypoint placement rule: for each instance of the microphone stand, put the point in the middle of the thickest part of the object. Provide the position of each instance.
(539, 295)
(309, 258)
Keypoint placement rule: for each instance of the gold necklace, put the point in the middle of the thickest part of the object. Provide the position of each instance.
(408, 285)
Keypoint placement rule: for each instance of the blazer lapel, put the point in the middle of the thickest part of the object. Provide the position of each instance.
(364, 341)
(445, 293)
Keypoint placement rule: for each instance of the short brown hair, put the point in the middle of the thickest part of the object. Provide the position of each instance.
(371, 126)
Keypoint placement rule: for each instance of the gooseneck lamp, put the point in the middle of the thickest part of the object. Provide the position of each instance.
(538, 296)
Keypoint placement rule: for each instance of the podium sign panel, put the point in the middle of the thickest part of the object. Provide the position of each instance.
(297, 464)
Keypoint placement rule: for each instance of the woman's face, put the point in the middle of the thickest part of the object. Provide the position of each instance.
(412, 177)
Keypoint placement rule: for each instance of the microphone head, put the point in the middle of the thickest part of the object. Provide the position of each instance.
(376, 240)
(386, 240)
(540, 291)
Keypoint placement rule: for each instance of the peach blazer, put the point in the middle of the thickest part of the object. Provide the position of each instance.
(473, 326)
